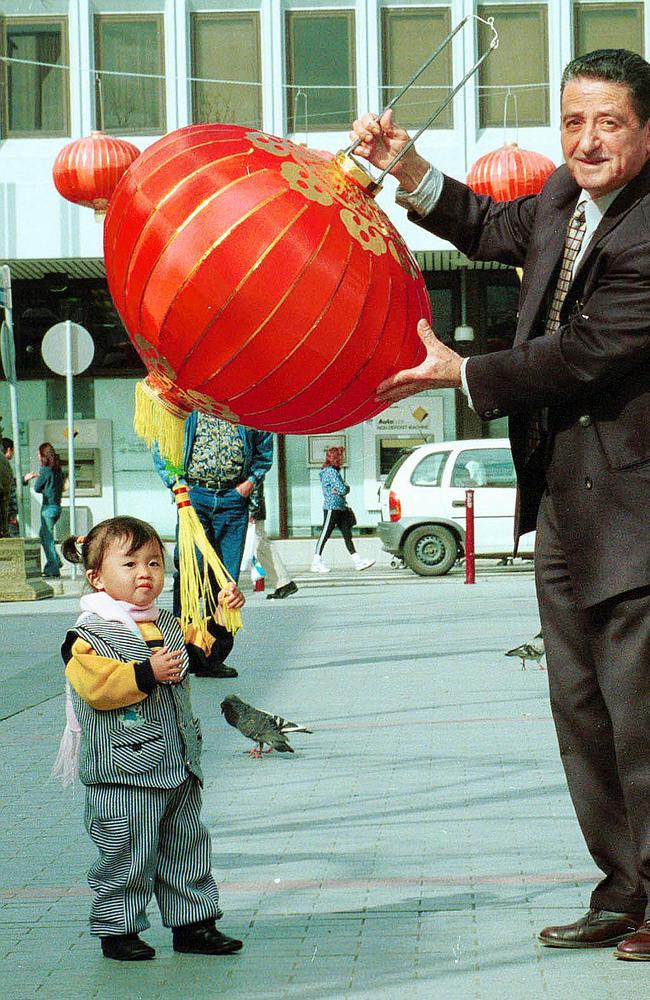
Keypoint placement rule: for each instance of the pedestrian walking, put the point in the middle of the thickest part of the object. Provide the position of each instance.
(126, 667)
(576, 389)
(49, 482)
(336, 513)
(265, 552)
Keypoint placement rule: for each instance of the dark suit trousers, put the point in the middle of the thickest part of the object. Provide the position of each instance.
(599, 677)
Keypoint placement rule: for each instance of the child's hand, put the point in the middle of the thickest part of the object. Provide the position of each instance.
(232, 597)
(167, 665)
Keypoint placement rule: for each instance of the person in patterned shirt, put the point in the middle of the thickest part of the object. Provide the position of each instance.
(222, 464)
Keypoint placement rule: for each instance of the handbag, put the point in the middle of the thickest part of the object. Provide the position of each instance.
(350, 517)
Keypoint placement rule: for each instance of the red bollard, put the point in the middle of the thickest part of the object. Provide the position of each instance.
(469, 536)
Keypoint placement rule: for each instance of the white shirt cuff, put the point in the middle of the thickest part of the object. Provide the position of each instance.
(425, 196)
(464, 385)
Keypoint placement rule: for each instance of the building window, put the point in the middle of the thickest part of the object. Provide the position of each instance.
(520, 62)
(36, 91)
(608, 25)
(321, 78)
(40, 303)
(409, 36)
(130, 64)
(226, 47)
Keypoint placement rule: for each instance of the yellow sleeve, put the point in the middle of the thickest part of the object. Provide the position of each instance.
(102, 682)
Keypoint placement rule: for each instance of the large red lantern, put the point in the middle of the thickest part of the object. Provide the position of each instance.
(259, 280)
(88, 170)
(510, 172)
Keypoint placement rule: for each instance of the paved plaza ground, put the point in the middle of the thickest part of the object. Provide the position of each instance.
(410, 848)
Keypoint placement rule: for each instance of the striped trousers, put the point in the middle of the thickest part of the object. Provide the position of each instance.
(151, 841)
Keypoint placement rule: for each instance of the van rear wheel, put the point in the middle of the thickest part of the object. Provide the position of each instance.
(430, 550)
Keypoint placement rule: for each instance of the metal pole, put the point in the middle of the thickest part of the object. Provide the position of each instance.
(9, 363)
(469, 536)
(70, 409)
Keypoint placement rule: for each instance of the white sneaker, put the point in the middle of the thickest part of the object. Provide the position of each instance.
(360, 563)
(318, 566)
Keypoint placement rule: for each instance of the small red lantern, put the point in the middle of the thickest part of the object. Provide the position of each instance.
(259, 280)
(510, 172)
(87, 171)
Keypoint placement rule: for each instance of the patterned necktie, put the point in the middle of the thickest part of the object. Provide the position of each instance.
(572, 242)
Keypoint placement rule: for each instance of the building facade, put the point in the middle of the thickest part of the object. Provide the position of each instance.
(298, 68)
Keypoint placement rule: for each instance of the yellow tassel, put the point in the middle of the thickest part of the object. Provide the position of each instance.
(195, 581)
(159, 420)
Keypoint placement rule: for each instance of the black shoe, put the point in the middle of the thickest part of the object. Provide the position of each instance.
(214, 670)
(204, 939)
(127, 948)
(289, 588)
(597, 929)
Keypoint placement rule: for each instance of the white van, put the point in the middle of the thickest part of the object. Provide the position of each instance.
(423, 504)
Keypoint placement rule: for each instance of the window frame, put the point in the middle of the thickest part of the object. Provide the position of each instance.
(589, 5)
(5, 23)
(490, 9)
(291, 16)
(388, 11)
(99, 19)
(196, 17)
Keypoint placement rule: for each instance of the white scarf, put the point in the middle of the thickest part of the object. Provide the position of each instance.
(66, 765)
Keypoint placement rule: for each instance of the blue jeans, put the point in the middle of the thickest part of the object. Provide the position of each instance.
(224, 516)
(50, 514)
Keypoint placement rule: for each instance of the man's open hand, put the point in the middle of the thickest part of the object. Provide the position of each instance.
(439, 370)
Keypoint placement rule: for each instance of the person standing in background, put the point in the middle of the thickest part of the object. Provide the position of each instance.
(49, 482)
(222, 463)
(336, 513)
(265, 551)
(12, 511)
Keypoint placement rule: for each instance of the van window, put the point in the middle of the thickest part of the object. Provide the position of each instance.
(428, 472)
(479, 467)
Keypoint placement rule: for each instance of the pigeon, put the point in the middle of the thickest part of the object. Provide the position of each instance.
(531, 650)
(260, 726)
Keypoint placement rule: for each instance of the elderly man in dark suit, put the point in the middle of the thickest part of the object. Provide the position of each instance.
(576, 388)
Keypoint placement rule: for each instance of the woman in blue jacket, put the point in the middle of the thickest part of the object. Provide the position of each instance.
(49, 482)
(336, 513)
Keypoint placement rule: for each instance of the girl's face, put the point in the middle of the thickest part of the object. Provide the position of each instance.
(137, 577)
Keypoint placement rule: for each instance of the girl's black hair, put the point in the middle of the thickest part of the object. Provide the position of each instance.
(91, 550)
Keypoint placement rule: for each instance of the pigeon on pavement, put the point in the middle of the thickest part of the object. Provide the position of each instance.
(261, 727)
(532, 650)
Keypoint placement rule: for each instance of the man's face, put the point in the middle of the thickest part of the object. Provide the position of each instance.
(9, 453)
(603, 143)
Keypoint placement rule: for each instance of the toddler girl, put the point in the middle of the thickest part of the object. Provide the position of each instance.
(126, 664)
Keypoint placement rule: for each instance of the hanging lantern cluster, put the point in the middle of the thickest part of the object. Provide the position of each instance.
(88, 170)
(510, 172)
(259, 281)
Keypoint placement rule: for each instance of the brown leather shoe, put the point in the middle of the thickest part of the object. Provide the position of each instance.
(597, 929)
(637, 946)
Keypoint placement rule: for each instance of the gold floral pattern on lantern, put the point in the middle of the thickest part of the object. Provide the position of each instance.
(153, 360)
(322, 181)
(271, 143)
(363, 231)
(199, 401)
(307, 182)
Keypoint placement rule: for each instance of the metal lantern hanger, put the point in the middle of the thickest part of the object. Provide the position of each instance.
(494, 43)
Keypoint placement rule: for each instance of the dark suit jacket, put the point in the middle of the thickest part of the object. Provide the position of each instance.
(593, 375)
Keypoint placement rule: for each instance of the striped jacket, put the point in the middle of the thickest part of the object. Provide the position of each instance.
(151, 744)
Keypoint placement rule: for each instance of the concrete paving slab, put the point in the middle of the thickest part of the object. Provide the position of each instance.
(412, 847)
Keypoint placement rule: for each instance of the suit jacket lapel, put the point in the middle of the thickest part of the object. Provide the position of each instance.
(626, 200)
(553, 226)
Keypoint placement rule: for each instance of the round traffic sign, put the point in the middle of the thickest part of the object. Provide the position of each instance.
(54, 348)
